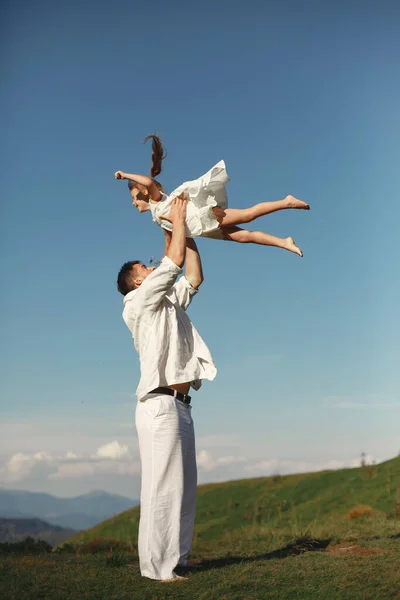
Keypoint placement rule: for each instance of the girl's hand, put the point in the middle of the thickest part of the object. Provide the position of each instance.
(119, 175)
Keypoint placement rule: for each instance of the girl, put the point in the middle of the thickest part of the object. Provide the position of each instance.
(208, 214)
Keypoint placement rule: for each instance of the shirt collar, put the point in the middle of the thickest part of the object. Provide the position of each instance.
(129, 296)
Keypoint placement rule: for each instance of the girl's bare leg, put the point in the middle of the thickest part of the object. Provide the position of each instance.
(238, 216)
(236, 234)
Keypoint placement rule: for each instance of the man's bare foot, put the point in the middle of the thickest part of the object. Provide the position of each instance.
(291, 246)
(177, 578)
(294, 202)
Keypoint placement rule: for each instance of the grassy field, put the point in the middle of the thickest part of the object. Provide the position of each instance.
(327, 535)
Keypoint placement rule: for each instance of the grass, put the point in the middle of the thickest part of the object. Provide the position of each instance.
(326, 535)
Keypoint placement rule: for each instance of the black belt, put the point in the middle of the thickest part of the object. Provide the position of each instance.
(170, 392)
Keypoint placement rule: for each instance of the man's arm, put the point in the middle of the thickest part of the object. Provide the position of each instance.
(186, 288)
(177, 216)
(194, 271)
(156, 285)
(168, 237)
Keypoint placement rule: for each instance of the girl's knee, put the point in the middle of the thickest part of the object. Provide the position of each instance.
(235, 234)
(244, 237)
(251, 214)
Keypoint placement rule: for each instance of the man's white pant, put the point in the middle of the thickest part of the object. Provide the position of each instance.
(169, 480)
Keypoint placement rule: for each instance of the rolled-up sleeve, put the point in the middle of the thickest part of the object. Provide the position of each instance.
(184, 292)
(151, 292)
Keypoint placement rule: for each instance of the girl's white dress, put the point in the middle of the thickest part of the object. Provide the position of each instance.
(204, 193)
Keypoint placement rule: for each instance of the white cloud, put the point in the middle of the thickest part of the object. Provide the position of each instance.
(72, 470)
(115, 458)
(20, 465)
(113, 450)
(100, 467)
(19, 462)
(71, 455)
(112, 457)
(265, 466)
(116, 463)
(363, 401)
(286, 466)
(366, 405)
(228, 460)
(206, 461)
(45, 456)
(244, 467)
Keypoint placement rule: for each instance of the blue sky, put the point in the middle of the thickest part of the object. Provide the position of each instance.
(296, 98)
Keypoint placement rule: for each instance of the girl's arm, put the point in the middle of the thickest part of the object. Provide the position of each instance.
(142, 180)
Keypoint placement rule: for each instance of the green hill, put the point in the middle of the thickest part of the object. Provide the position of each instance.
(333, 535)
(286, 507)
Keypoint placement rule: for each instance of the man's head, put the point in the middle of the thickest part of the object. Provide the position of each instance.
(131, 275)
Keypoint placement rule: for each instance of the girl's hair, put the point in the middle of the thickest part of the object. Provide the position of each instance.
(158, 155)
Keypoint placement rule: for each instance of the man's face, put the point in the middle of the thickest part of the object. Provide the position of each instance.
(140, 272)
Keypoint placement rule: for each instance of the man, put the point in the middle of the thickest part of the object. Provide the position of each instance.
(173, 357)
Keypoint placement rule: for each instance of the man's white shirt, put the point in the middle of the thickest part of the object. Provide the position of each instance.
(170, 348)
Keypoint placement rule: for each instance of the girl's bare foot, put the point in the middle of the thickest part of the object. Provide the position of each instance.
(291, 246)
(294, 202)
(177, 578)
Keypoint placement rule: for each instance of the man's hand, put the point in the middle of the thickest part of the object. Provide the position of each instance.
(120, 175)
(177, 214)
(219, 213)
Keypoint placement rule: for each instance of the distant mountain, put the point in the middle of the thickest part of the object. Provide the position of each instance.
(77, 513)
(15, 530)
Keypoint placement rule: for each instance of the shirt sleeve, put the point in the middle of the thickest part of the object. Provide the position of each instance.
(156, 285)
(184, 292)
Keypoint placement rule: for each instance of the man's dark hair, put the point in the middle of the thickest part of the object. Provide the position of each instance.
(124, 282)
